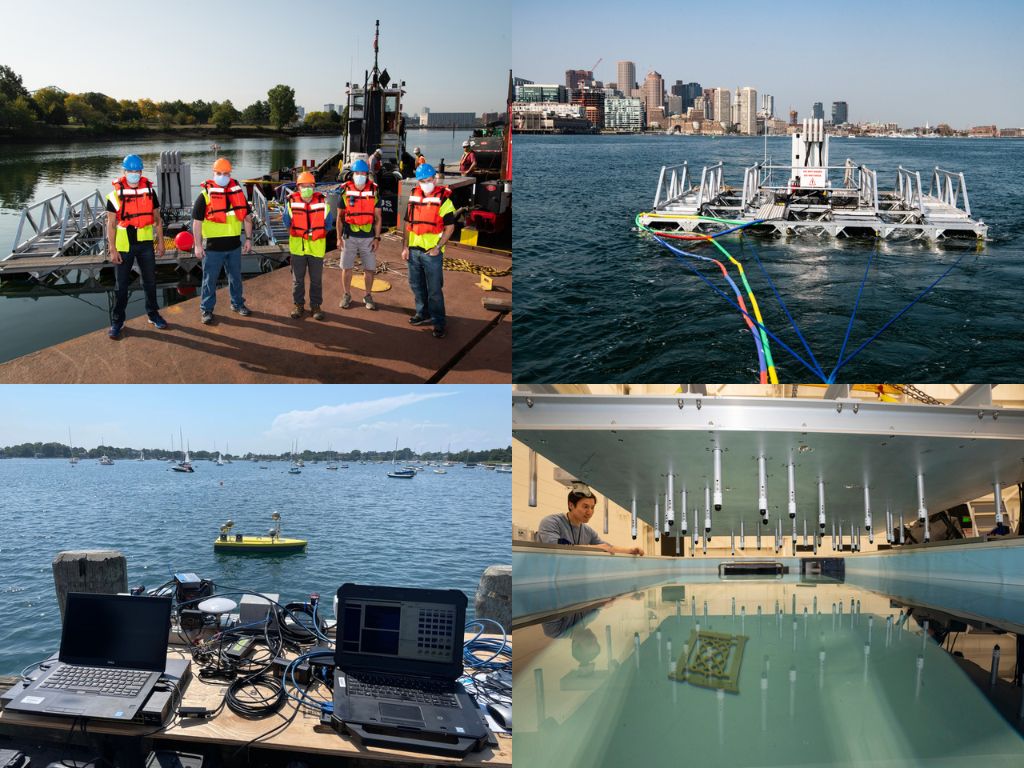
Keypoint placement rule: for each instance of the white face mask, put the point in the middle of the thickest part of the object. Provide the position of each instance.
(133, 178)
(222, 179)
(359, 179)
(427, 187)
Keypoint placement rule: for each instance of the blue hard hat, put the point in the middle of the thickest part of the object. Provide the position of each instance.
(425, 171)
(360, 166)
(132, 163)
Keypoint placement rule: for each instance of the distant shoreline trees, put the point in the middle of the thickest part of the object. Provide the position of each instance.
(62, 451)
(21, 112)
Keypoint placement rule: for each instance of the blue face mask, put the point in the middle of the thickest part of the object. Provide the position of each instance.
(359, 179)
(133, 178)
(222, 179)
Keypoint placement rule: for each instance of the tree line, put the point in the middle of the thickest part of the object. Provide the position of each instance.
(62, 451)
(20, 110)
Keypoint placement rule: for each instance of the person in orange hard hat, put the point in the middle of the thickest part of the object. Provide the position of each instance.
(218, 217)
(307, 214)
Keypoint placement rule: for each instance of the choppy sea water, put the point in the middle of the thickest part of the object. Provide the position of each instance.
(596, 302)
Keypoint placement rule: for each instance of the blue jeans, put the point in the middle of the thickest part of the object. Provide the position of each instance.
(141, 253)
(212, 263)
(426, 279)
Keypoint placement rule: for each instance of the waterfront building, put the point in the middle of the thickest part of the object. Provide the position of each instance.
(839, 113)
(626, 77)
(748, 111)
(818, 111)
(624, 115)
(592, 102)
(543, 92)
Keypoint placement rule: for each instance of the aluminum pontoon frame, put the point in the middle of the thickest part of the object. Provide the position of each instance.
(843, 201)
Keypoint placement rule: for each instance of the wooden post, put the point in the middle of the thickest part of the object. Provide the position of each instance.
(494, 596)
(99, 571)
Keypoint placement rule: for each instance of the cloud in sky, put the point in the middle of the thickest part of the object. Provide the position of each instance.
(333, 417)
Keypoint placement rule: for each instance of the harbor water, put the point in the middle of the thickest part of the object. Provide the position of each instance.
(30, 173)
(597, 302)
(816, 674)
(436, 531)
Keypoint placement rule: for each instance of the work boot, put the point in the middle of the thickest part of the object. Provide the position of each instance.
(317, 312)
(346, 301)
(297, 311)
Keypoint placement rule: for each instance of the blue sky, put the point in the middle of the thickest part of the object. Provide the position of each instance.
(196, 49)
(262, 418)
(909, 62)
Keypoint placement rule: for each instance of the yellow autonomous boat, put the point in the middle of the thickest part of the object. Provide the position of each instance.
(272, 543)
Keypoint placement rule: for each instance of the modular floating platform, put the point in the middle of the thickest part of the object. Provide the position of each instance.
(810, 197)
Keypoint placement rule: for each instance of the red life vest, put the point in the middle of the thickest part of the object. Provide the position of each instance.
(423, 211)
(224, 199)
(359, 203)
(309, 219)
(135, 208)
(467, 162)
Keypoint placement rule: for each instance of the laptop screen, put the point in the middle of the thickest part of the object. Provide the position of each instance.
(402, 630)
(116, 631)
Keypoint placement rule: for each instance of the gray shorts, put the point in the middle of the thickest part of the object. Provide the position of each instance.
(358, 246)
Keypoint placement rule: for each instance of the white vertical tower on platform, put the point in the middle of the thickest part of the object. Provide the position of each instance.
(810, 155)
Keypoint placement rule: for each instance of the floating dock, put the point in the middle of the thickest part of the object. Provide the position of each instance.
(810, 197)
(353, 345)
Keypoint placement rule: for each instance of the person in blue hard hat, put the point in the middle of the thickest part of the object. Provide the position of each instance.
(360, 225)
(133, 226)
(429, 225)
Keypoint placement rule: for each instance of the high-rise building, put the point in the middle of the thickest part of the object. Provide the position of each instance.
(792, 117)
(624, 115)
(677, 89)
(593, 105)
(675, 104)
(767, 105)
(839, 113)
(690, 92)
(748, 111)
(702, 106)
(329, 108)
(576, 79)
(626, 74)
(721, 106)
(654, 91)
(543, 92)
(818, 111)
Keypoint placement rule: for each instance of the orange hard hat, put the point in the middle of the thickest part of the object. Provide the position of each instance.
(222, 165)
(306, 178)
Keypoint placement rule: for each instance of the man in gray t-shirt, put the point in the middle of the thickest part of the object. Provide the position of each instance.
(571, 528)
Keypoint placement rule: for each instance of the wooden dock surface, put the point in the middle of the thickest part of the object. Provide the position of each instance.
(354, 345)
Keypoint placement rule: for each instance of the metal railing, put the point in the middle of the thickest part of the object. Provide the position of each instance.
(947, 186)
(261, 210)
(710, 184)
(57, 215)
(908, 187)
(678, 184)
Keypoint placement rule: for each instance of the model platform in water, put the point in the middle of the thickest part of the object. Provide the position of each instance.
(810, 197)
(272, 543)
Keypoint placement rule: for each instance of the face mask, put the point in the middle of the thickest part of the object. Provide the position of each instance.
(359, 179)
(222, 179)
(306, 192)
(133, 178)
(427, 187)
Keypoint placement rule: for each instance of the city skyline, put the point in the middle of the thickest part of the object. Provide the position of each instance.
(979, 67)
(317, 66)
(262, 418)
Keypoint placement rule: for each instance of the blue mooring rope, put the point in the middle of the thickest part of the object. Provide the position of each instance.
(816, 368)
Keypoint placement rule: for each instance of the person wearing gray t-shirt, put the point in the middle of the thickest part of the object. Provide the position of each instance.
(571, 528)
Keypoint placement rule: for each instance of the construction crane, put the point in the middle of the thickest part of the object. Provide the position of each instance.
(596, 63)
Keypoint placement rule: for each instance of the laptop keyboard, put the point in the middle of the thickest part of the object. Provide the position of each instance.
(100, 680)
(437, 693)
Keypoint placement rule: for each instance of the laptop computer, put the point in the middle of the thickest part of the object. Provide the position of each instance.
(398, 658)
(113, 649)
